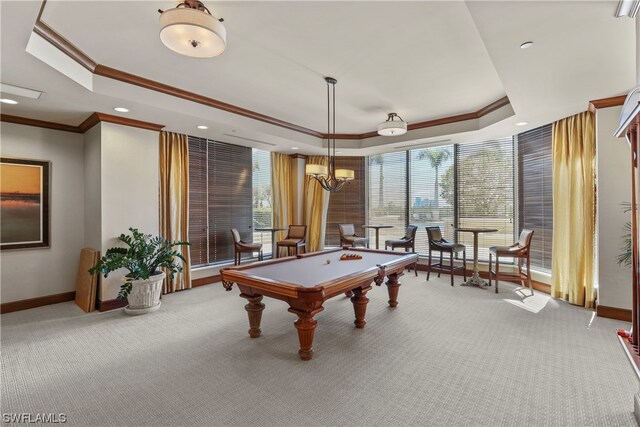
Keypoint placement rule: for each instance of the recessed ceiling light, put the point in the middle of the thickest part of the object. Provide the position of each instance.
(294, 148)
(526, 45)
(522, 123)
(203, 127)
(121, 109)
(8, 101)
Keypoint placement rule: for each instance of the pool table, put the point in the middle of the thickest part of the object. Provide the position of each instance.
(306, 281)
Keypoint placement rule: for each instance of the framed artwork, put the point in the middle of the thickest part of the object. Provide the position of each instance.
(24, 203)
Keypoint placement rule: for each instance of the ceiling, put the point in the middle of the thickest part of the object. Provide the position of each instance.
(423, 60)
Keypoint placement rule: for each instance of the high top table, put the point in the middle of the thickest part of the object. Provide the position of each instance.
(475, 279)
(273, 231)
(377, 228)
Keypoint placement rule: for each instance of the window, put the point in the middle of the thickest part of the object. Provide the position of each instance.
(465, 185)
(220, 198)
(535, 187)
(484, 193)
(427, 205)
(262, 210)
(347, 206)
(388, 194)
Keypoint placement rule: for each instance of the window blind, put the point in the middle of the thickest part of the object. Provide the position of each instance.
(387, 174)
(535, 185)
(198, 200)
(484, 184)
(229, 196)
(347, 206)
(427, 205)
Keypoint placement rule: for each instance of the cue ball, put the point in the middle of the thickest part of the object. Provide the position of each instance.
(328, 261)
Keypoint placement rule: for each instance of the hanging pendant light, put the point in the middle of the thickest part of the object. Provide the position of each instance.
(393, 126)
(330, 178)
(191, 30)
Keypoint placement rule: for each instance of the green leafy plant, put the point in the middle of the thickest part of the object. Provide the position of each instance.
(624, 257)
(142, 256)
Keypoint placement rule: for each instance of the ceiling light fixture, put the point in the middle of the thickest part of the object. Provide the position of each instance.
(8, 101)
(330, 178)
(526, 45)
(294, 148)
(522, 123)
(393, 126)
(191, 30)
(203, 127)
(121, 109)
(628, 8)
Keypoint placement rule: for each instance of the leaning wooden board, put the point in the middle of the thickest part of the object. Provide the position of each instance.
(87, 284)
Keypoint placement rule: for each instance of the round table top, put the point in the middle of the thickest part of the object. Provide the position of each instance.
(377, 226)
(269, 229)
(477, 230)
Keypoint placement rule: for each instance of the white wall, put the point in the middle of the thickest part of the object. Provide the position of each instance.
(614, 188)
(129, 181)
(92, 192)
(32, 273)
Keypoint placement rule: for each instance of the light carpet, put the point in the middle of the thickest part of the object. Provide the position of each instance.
(445, 356)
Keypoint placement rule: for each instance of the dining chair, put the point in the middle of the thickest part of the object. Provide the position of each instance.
(296, 238)
(521, 250)
(240, 247)
(349, 237)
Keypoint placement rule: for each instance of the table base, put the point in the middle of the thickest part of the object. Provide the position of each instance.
(476, 280)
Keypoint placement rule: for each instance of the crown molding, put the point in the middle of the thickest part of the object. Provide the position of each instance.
(83, 127)
(65, 46)
(39, 123)
(96, 118)
(123, 76)
(613, 101)
(298, 156)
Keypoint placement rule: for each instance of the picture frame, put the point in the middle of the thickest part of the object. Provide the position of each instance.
(25, 192)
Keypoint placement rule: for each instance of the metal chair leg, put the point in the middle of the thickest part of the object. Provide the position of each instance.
(490, 261)
(429, 265)
(440, 264)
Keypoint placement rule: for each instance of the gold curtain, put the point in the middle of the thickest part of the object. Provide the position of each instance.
(316, 204)
(281, 181)
(574, 201)
(174, 202)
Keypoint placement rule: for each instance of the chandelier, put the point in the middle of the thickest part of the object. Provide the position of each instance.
(191, 30)
(392, 127)
(330, 178)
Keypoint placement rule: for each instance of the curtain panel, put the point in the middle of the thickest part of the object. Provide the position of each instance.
(574, 202)
(281, 179)
(174, 202)
(316, 205)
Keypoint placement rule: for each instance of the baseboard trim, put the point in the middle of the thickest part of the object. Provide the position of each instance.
(205, 280)
(26, 304)
(613, 313)
(110, 304)
(538, 286)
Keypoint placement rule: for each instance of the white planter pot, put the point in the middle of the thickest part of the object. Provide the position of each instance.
(145, 295)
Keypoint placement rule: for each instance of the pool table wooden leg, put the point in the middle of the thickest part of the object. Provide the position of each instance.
(254, 310)
(393, 286)
(305, 309)
(306, 326)
(360, 302)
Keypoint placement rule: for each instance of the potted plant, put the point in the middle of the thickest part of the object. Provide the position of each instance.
(143, 256)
